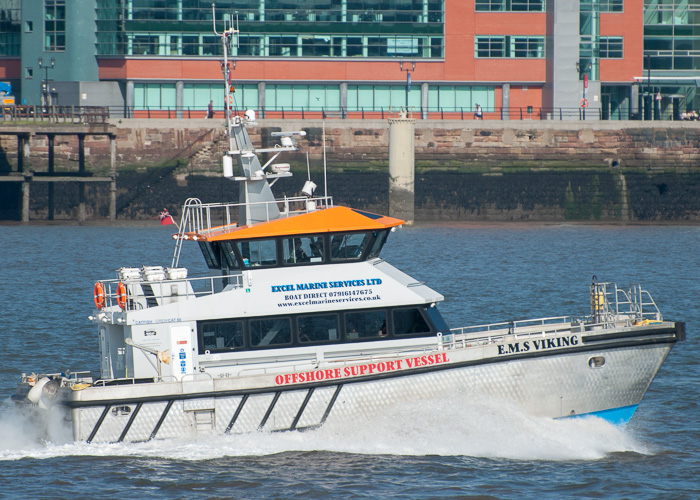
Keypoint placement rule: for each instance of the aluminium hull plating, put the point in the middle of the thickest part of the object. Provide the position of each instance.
(554, 383)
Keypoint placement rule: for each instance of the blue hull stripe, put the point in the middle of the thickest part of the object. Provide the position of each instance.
(616, 416)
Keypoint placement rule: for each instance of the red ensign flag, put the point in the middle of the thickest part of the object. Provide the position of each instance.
(166, 218)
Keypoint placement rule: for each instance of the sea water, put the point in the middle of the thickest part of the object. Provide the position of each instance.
(420, 449)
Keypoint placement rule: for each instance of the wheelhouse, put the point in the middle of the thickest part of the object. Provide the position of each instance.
(328, 236)
(296, 250)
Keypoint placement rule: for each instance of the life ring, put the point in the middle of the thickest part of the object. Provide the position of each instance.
(121, 295)
(228, 99)
(99, 295)
(584, 103)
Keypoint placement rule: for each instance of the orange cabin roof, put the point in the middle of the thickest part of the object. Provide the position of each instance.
(336, 219)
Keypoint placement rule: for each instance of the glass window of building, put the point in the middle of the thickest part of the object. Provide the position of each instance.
(154, 95)
(460, 97)
(497, 46)
(603, 5)
(10, 22)
(611, 47)
(54, 25)
(298, 97)
(670, 35)
(510, 5)
(305, 28)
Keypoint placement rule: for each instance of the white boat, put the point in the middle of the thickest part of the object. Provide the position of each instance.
(301, 322)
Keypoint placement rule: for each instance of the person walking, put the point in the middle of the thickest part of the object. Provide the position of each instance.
(210, 110)
(478, 115)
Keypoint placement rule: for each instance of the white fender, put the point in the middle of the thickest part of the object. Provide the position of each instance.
(34, 394)
(44, 393)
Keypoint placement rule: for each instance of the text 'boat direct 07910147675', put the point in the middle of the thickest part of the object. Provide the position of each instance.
(301, 322)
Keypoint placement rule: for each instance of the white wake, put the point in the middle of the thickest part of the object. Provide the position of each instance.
(475, 429)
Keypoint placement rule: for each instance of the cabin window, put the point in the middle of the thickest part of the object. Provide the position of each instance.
(270, 332)
(258, 253)
(436, 319)
(365, 324)
(302, 249)
(220, 336)
(349, 246)
(409, 321)
(379, 240)
(229, 255)
(317, 328)
(211, 254)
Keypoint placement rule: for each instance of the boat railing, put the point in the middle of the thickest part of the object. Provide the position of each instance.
(514, 326)
(140, 293)
(468, 336)
(611, 304)
(202, 220)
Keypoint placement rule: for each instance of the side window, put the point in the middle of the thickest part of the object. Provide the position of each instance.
(220, 336)
(211, 254)
(302, 249)
(437, 320)
(258, 253)
(380, 239)
(317, 328)
(229, 255)
(365, 324)
(270, 332)
(349, 246)
(409, 321)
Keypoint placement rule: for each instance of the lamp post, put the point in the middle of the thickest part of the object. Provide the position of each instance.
(648, 98)
(583, 70)
(408, 78)
(45, 93)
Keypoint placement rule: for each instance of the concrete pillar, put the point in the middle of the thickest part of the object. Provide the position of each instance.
(402, 167)
(179, 98)
(129, 111)
(51, 172)
(113, 172)
(81, 171)
(20, 152)
(634, 102)
(424, 87)
(25, 197)
(505, 101)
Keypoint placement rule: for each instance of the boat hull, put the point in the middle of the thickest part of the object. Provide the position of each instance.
(558, 383)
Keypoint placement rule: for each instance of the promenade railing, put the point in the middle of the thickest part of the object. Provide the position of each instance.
(55, 114)
(100, 114)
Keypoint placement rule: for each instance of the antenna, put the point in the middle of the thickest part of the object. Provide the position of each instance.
(325, 182)
(308, 168)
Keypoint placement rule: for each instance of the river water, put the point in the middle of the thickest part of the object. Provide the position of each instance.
(431, 449)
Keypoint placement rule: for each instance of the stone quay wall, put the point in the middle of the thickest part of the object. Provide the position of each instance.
(465, 170)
